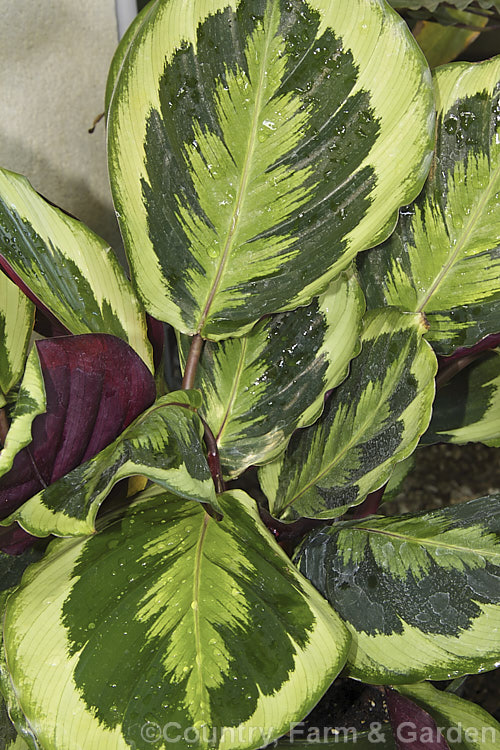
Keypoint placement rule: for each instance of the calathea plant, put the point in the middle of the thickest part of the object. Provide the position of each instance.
(257, 150)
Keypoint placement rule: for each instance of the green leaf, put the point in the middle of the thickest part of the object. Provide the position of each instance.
(371, 421)
(442, 44)
(257, 389)
(17, 315)
(164, 444)
(8, 734)
(18, 735)
(465, 725)
(167, 615)
(420, 594)
(12, 567)
(30, 402)
(467, 408)
(398, 478)
(9, 738)
(17, 744)
(246, 179)
(444, 258)
(68, 267)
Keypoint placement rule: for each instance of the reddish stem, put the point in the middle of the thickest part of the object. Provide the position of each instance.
(192, 362)
(288, 535)
(213, 458)
(4, 426)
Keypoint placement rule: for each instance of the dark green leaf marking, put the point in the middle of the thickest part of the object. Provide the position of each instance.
(371, 418)
(444, 257)
(163, 444)
(23, 248)
(435, 575)
(258, 388)
(468, 407)
(324, 194)
(141, 677)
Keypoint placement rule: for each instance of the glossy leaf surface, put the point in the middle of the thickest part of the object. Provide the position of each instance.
(167, 615)
(419, 593)
(257, 389)
(164, 444)
(85, 390)
(17, 315)
(467, 408)
(68, 267)
(256, 146)
(370, 422)
(444, 258)
(465, 725)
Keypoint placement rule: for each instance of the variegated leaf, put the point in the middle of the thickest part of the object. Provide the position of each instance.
(163, 444)
(21, 737)
(370, 422)
(17, 315)
(13, 566)
(398, 477)
(30, 403)
(420, 594)
(444, 258)
(68, 267)
(257, 146)
(465, 725)
(167, 619)
(9, 738)
(8, 734)
(257, 389)
(467, 408)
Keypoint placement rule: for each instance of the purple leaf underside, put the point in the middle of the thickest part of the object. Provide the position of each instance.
(413, 728)
(96, 385)
(14, 540)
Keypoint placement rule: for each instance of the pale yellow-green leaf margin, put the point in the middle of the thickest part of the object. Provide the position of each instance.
(69, 268)
(17, 315)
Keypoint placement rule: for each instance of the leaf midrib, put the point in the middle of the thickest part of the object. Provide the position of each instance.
(245, 174)
(429, 542)
(234, 389)
(339, 456)
(457, 253)
(196, 602)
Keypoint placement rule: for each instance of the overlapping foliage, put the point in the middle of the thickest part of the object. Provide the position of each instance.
(317, 218)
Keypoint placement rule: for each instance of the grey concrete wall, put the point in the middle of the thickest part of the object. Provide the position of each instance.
(54, 58)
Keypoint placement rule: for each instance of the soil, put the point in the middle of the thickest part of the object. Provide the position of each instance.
(446, 475)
